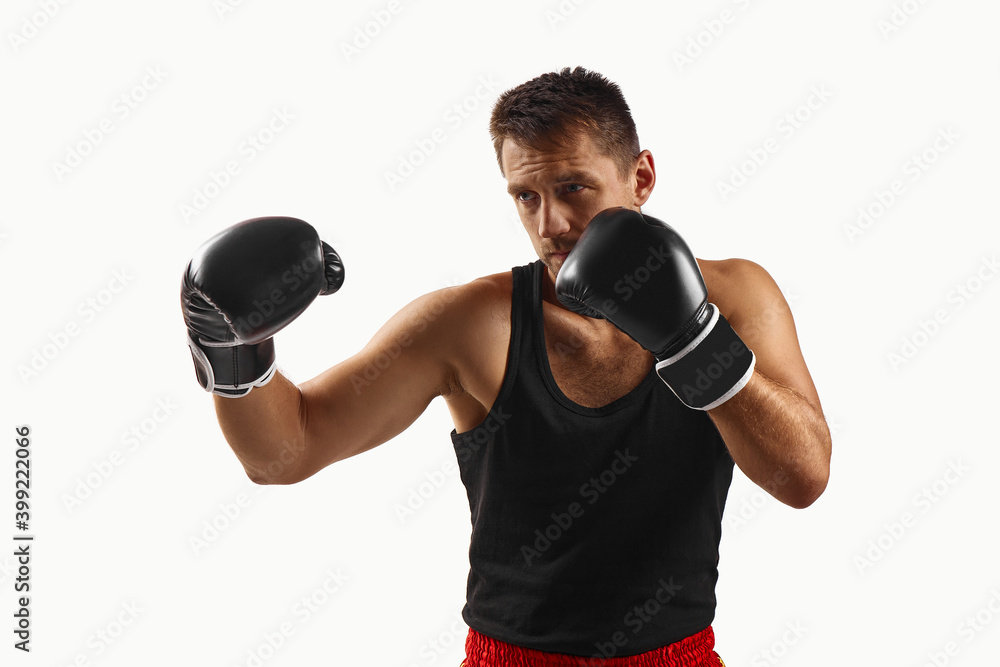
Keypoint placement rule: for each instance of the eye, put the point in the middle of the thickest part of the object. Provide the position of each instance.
(574, 187)
(524, 196)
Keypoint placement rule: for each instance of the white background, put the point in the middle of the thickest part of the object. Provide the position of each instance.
(859, 586)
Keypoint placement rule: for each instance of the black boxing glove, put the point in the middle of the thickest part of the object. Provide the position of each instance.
(640, 275)
(242, 286)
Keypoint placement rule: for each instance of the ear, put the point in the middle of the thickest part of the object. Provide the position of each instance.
(645, 178)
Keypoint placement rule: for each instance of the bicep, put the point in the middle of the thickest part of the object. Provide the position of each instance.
(763, 319)
(376, 394)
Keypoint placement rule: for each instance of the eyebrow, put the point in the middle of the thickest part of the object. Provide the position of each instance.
(564, 177)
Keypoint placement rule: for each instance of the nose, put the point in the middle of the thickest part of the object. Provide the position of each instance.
(553, 221)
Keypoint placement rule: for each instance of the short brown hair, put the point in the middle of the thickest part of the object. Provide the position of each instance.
(548, 110)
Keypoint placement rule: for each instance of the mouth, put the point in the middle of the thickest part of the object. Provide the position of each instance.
(559, 255)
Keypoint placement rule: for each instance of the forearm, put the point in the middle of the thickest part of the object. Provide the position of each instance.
(266, 429)
(778, 439)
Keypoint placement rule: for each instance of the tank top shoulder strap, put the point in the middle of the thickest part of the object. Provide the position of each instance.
(522, 300)
(527, 297)
(521, 313)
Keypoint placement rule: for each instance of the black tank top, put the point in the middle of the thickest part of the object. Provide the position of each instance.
(595, 531)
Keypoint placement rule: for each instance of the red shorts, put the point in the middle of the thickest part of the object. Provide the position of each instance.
(694, 651)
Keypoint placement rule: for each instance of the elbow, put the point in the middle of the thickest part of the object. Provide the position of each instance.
(814, 478)
(286, 466)
(260, 479)
(808, 490)
(802, 500)
(267, 479)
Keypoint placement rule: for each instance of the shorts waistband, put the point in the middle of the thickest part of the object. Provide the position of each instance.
(694, 651)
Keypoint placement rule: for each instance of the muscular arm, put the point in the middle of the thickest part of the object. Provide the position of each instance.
(265, 428)
(774, 427)
(283, 433)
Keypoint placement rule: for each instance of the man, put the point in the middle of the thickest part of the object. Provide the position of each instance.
(600, 395)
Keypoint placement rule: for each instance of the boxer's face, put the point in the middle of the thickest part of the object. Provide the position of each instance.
(558, 192)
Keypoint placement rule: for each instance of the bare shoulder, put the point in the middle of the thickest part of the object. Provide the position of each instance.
(468, 325)
(741, 288)
(466, 302)
(495, 285)
(486, 306)
(732, 271)
(749, 298)
(485, 297)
